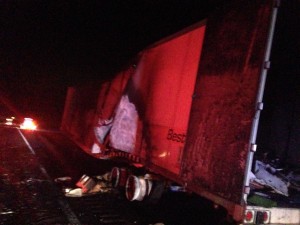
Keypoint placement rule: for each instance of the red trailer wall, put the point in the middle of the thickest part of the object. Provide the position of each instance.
(162, 88)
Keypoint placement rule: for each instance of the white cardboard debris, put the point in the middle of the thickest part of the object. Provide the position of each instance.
(264, 177)
(77, 192)
(96, 148)
(123, 131)
(102, 128)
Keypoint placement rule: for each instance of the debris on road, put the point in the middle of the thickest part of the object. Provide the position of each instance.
(87, 185)
(267, 176)
(63, 179)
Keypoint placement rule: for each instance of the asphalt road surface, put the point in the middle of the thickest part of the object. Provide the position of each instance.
(31, 161)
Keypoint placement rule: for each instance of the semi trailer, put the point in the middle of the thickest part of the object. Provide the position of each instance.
(214, 108)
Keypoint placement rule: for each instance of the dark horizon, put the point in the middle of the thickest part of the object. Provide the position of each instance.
(48, 46)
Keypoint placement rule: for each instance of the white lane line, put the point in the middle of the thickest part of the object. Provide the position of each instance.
(64, 205)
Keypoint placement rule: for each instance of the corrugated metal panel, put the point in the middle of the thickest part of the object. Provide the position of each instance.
(225, 95)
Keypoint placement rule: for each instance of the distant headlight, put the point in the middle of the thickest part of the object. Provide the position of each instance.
(9, 121)
(28, 124)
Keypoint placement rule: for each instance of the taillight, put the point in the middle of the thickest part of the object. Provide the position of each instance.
(257, 217)
(266, 216)
(249, 216)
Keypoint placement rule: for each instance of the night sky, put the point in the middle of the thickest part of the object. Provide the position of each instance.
(46, 46)
(49, 45)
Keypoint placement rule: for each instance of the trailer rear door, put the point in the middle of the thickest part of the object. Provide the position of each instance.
(224, 102)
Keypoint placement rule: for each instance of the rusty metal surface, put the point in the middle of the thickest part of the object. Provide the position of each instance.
(224, 99)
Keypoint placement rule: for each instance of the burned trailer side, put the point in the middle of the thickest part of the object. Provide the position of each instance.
(196, 125)
(88, 107)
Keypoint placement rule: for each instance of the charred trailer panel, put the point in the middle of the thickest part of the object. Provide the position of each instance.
(88, 107)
